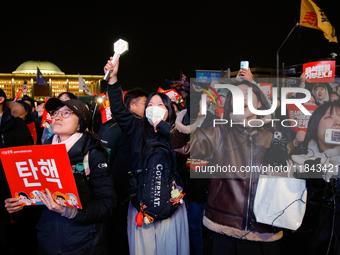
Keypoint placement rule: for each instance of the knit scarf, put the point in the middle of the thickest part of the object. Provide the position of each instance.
(68, 142)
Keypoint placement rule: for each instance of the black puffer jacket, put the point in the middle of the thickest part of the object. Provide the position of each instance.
(113, 138)
(85, 233)
(13, 132)
(132, 127)
(320, 228)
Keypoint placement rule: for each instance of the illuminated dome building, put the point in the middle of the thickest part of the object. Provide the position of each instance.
(57, 80)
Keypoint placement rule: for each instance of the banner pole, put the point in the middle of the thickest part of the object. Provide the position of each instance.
(277, 59)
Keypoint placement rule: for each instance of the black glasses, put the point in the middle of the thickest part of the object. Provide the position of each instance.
(64, 114)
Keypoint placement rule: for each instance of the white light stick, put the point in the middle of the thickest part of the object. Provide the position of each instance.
(120, 48)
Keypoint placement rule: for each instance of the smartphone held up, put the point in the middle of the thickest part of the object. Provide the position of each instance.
(332, 136)
(244, 64)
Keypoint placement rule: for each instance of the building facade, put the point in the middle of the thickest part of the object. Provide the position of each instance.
(57, 80)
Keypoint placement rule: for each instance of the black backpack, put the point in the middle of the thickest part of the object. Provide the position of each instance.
(154, 182)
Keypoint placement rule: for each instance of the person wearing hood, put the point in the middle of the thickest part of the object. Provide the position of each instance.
(320, 93)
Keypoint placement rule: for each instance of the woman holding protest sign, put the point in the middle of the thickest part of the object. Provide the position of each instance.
(71, 230)
(157, 222)
(317, 160)
(241, 142)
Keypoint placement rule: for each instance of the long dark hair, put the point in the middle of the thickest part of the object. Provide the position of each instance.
(261, 97)
(148, 131)
(313, 123)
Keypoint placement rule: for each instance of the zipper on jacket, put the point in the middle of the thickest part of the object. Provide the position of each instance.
(250, 163)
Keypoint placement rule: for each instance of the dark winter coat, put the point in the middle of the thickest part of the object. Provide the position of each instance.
(132, 127)
(113, 138)
(14, 132)
(85, 233)
(320, 229)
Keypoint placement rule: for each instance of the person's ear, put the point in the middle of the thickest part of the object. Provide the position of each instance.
(2, 99)
(132, 107)
(78, 128)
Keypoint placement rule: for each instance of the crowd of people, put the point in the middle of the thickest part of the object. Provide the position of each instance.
(140, 194)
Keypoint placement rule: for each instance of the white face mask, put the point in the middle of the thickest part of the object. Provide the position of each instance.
(154, 113)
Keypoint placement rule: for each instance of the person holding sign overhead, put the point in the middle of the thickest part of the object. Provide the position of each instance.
(67, 230)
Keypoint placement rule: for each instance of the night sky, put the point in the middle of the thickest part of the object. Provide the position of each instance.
(164, 37)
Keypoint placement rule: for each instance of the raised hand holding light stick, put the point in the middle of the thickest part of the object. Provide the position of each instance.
(120, 48)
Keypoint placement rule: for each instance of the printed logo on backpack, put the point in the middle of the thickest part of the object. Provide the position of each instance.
(159, 189)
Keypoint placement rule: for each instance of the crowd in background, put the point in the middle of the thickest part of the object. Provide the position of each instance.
(216, 216)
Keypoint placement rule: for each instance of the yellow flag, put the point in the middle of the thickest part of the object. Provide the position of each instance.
(312, 16)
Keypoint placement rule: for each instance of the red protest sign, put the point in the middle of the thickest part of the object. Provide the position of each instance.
(320, 71)
(105, 111)
(46, 118)
(301, 120)
(171, 93)
(31, 169)
(267, 89)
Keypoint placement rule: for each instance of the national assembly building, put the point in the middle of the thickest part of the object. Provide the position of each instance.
(57, 81)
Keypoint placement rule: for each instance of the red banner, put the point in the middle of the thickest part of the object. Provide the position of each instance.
(105, 111)
(46, 118)
(320, 71)
(31, 169)
(267, 88)
(160, 89)
(300, 118)
(171, 93)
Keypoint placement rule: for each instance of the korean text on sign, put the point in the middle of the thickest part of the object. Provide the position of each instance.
(301, 120)
(32, 169)
(320, 71)
(28, 172)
